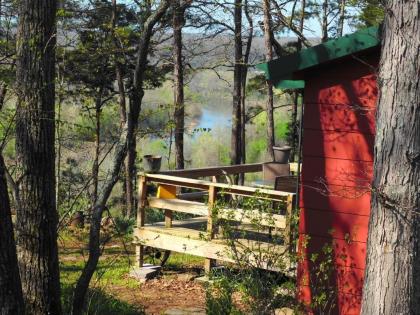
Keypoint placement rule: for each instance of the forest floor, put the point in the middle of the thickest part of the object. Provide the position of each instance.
(114, 292)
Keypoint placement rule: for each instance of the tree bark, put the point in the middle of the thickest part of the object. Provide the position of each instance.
(11, 299)
(97, 147)
(179, 113)
(324, 25)
(235, 154)
(243, 86)
(120, 152)
(295, 127)
(301, 23)
(37, 216)
(392, 275)
(341, 19)
(270, 95)
(3, 91)
(129, 176)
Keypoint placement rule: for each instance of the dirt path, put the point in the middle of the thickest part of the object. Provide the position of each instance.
(162, 295)
(175, 292)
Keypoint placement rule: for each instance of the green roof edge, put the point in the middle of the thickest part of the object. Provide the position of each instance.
(290, 84)
(278, 69)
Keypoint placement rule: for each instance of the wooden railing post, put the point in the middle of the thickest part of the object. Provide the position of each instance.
(209, 263)
(168, 218)
(288, 232)
(142, 203)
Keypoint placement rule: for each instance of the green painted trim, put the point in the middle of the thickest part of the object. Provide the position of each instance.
(330, 50)
(290, 84)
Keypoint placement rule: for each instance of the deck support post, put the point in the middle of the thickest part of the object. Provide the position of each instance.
(142, 202)
(289, 231)
(168, 218)
(210, 263)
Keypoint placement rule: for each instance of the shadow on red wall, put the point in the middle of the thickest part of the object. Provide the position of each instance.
(338, 145)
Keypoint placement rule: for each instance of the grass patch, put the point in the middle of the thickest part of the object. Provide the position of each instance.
(181, 262)
(112, 272)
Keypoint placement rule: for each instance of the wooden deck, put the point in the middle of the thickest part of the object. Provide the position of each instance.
(199, 235)
(189, 237)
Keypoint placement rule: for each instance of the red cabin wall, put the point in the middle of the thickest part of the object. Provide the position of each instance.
(339, 131)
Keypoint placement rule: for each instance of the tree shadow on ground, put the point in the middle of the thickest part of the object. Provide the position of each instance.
(100, 302)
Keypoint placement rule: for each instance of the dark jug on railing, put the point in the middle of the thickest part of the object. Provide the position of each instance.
(282, 154)
(152, 163)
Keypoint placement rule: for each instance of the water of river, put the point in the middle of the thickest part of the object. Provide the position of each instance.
(212, 119)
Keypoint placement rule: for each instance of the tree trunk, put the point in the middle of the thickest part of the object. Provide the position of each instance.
(235, 154)
(178, 23)
(11, 299)
(392, 275)
(58, 149)
(37, 216)
(301, 23)
(130, 173)
(129, 176)
(243, 86)
(95, 166)
(324, 25)
(270, 95)
(341, 19)
(295, 127)
(3, 91)
(128, 133)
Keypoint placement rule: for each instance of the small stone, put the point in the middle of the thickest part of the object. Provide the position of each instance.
(145, 273)
(203, 280)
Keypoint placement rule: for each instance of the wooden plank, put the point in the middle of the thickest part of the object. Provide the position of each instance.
(192, 246)
(329, 224)
(288, 233)
(142, 201)
(336, 198)
(337, 171)
(193, 196)
(344, 104)
(238, 215)
(192, 228)
(339, 117)
(209, 263)
(178, 205)
(339, 145)
(216, 170)
(211, 249)
(205, 185)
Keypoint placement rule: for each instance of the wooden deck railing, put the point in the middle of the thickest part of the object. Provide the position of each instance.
(183, 236)
(222, 170)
